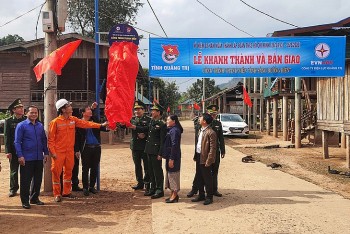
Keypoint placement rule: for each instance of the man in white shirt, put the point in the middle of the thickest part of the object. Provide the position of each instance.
(205, 157)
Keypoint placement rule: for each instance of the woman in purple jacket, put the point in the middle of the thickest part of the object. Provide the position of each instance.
(172, 154)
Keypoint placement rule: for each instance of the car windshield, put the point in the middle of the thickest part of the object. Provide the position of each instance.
(231, 118)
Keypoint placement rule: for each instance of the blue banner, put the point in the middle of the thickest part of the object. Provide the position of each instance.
(247, 57)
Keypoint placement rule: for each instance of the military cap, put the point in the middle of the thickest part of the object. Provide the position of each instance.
(212, 109)
(15, 103)
(157, 106)
(139, 105)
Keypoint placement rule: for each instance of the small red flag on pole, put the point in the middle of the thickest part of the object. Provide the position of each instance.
(246, 98)
(196, 106)
(56, 60)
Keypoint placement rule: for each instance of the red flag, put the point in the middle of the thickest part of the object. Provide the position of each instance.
(168, 110)
(123, 67)
(196, 106)
(56, 60)
(179, 107)
(246, 98)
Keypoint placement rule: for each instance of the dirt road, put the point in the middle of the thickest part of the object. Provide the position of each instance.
(256, 199)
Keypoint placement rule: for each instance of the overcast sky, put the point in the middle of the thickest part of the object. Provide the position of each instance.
(188, 18)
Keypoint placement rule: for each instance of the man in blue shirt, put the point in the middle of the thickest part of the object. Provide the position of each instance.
(32, 151)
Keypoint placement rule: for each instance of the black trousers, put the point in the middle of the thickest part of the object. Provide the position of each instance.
(90, 159)
(75, 173)
(215, 172)
(155, 173)
(14, 166)
(138, 157)
(204, 179)
(31, 170)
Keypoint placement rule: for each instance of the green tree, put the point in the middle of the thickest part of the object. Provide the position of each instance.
(195, 91)
(81, 14)
(169, 94)
(10, 39)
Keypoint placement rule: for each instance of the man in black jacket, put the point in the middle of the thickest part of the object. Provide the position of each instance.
(88, 146)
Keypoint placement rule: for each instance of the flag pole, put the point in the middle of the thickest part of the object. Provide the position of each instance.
(97, 78)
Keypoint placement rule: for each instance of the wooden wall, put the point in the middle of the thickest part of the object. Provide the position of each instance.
(14, 78)
(333, 102)
(347, 100)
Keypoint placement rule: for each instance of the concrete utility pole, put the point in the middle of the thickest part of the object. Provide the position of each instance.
(297, 128)
(50, 94)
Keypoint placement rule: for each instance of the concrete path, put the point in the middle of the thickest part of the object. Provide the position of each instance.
(256, 199)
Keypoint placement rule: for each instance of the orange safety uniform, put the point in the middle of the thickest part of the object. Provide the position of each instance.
(61, 143)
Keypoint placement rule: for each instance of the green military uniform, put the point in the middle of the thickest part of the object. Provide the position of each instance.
(154, 145)
(220, 150)
(137, 145)
(9, 135)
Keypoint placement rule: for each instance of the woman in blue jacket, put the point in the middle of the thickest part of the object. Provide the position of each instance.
(172, 154)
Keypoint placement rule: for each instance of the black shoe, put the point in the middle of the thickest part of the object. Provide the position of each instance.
(26, 205)
(191, 193)
(12, 193)
(176, 199)
(138, 186)
(93, 190)
(37, 202)
(217, 194)
(71, 196)
(86, 192)
(208, 201)
(77, 189)
(157, 195)
(149, 193)
(198, 199)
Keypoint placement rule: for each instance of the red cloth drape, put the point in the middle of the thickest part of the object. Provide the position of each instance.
(123, 67)
(246, 98)
(56, 60)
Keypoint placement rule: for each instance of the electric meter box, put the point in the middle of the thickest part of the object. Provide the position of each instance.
(47, 19)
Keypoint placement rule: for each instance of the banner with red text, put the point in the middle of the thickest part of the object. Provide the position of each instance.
(248, 57)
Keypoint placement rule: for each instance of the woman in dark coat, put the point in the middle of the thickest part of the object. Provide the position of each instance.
(172, 154)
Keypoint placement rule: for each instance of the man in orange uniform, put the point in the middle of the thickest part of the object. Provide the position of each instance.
(61, 145)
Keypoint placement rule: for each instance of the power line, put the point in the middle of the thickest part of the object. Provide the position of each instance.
(37, 21)
(269, 15)
(186, 81)
(224, 19)
(157, 18)
(109, 16)
(22, 15)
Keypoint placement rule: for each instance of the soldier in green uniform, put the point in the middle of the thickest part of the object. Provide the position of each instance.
(153, 149)
(17, 111)
(220, 151)
(140, 123)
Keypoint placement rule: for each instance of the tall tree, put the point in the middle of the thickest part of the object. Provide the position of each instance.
(195, 91)
(10, 39)
(169, 94)
(81, 14)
